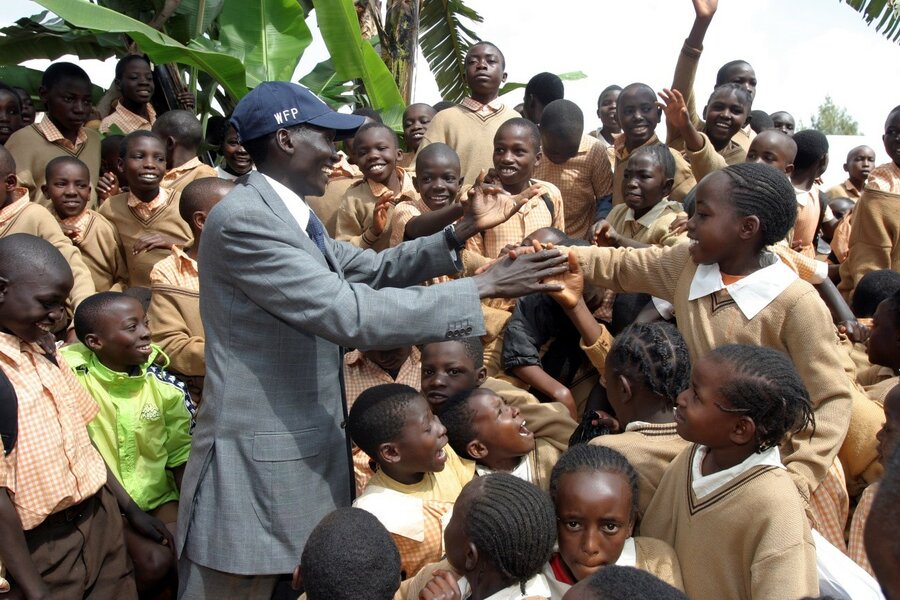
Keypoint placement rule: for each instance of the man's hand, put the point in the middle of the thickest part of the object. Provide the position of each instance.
(519, 275)
(606, 235)
(674, 106)
(379, 217)
(107, 186)
(572, 281)
(486, 206)
(442, 586)
(152, 241)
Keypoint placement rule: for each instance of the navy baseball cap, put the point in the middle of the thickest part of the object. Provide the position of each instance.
(274, 105)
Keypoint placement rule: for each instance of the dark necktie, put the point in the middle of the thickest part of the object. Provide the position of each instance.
(316, 231)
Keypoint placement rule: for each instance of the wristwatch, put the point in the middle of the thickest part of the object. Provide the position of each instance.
(450, 235)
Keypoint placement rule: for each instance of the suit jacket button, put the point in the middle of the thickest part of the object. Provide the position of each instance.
(343, 424)
(468, 330)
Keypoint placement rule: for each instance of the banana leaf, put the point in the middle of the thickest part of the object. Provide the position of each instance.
(30, 79)
(47, 36)
(444, 41)
(269, 36)
(227, 70)
(514, 85)
(885, 12)
(354, 57)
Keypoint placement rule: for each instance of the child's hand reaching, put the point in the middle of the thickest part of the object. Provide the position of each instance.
(442, 586)
(379, 217)
(675, 108)
(107, 186)
(70, 231)
(705, 9)
(679, 225)
(152, 241)
(186, 100)
(606, 235)
(487, 206)
(573, 282)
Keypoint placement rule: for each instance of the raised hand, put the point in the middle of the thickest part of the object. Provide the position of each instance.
(519, 275)
(675, 108)
(705, 9)
(487, 206)
(107, 186)
(379, 217)
(572, 281)
(606, 235)
(186, 100)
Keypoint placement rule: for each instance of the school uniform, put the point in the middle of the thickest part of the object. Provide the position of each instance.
(652, 228)
(177, 178)
(740, 533)
(357, 210)
(581, 180)
(174, 316)
(875, 237)
(24, 216)
(36, 145)
(98, 242)
(808, 217)
(469, 129)
(531, 216)
(684, 178)
(134, 219)
(416, 514)
(647, 554)
(127, 121)
(327, 205)
(57, 480)
(707, 159)
(846, 189)
(856, 548)
(536, 588)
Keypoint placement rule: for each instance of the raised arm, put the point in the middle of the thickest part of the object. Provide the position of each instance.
(688, 59)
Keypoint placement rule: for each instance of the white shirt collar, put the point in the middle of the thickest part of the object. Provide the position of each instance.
(651, 216)
(628, 558)
(522, 470)
(752, 293)
(705, 485)
(536, 586)
(294, 203)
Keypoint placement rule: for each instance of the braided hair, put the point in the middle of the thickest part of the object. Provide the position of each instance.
(378, 415)
(764, 385)
(742, 93)
(656, 355)
(512, 523)
(763, 191)
(587, 457)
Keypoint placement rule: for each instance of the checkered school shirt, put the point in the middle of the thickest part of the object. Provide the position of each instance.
(47, 129)
(53, 466)
(855, 547)
(176, 270)
(128, 121)
(145, 210)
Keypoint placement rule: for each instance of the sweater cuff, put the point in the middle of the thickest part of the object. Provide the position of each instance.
(691, 51)
(598, 351)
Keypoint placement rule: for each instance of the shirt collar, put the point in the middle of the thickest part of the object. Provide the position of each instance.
(79, 223)
(135, 202)
(536, 586)
(622, 152)
(182, 257)
(151, 114)
(522, 470)
(20, 201)
(703, 485)
(651, 216)
(407, 190)
(55, 136)
(295, 204)
(187, 166)
(628, 558)
(474, 105)
(752, 293)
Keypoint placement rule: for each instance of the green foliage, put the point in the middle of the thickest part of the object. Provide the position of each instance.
(30, 79)
(444, 40)
(834, 120)
(884, 13)
(515, 85)
(47, 36)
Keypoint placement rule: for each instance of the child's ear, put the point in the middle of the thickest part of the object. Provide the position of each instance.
(12, 182)
(476, 450)
(480, 376)
(93, 342)
(667, 187)
(704, 111)
(471, 559)
(43, 189)
(4, 286)
(749, 227)
(199, 219)
(399, 154)
(846, 167)
(43, 92)
(538, 156)
(744, 431)
(120, 165)
(415, 181)
(503, 79)
(389, 453)
(789, 170)
(625, 384)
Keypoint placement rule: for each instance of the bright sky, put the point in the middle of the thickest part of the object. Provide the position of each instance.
(802, 50)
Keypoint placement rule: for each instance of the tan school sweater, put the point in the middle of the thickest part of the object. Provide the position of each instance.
(131, 227)
(748, 539)
(100, 248)
(874, 238)
(175, 325)
(684, 178)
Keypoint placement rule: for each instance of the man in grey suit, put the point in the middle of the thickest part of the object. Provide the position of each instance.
(279, 299)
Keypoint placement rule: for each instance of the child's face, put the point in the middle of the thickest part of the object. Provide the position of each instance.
(891, 137)
(389, 360)
(725, 115)
(32, 303)
(446, 370)
(10, 115)
(784, 122)
(557, 147)
(889, 435)
(236, 157)
(144, 165)
(606, 110)
(27, 107)
(484, 70)
(137, 84)
(860, 163)
(742, 74)
(594, 518)
(699, 414)
(438, 180)
(515, 157)
(499, 427)
(415, 122)
(421, 443)
(122, 337)
(644, 183)
(714, 227)
(638, 115)
(376, 154)
(772, 149)
(884, 339)
(68, 103)
(69, 188)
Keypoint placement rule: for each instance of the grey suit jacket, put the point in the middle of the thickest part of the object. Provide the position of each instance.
(269, 457)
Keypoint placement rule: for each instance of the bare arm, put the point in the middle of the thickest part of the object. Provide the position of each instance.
(14, 552)
(432, 222)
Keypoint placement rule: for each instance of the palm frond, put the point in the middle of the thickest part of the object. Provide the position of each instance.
(444, 40)
(885, 14)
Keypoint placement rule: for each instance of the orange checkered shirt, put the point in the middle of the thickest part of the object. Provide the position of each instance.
(78, 223)
(360, 374)
(885, 178)
(495, 105)
(20, 201)
(176, 270)
(145, 210)
(581, 180)
(53, 466)
(855, 547)
(128, 121)
(47, 129)
(830, 506)
(173, 174)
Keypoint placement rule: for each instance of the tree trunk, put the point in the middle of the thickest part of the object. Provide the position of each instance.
(399, 50)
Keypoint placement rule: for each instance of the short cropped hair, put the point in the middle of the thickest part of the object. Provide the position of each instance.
(492, 45)
(873, 288)
(127, 60)
(23, 252)
(760, 120)
(136, 135)
(742, 93)
(63, 70)
(366, 111)
(625, 583)
(181, 125)
(563, 118)
(350, 555)
(437, 150)
(379, 415)
(520, 123)
(812, 146)
(546, 87)
(606, 90)
(65, 159)
(722, 73)
(201, 194)
(92, 310)
(662, 155)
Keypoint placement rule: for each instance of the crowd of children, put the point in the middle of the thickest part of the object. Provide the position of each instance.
(707, 407)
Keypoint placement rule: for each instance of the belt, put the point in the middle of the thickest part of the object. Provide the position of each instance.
(73, 513)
